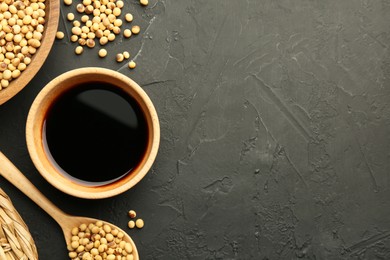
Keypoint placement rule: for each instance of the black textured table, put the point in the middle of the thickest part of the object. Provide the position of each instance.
(275, 122)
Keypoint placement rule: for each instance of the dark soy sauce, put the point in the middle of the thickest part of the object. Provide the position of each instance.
(95, 133)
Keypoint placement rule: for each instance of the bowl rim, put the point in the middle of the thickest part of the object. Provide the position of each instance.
(38, 59)
(35, 121)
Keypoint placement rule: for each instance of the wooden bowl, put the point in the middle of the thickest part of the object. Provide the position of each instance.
(52, 17)
(35, 132)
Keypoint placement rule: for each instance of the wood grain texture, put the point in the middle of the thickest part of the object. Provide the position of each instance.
(52, 17)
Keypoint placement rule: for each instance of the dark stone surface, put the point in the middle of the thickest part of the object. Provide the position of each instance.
(275, 123)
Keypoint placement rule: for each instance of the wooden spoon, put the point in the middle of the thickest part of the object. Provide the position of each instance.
(9, 171)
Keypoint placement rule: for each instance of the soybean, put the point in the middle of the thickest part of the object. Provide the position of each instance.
(102, 26)
(144, 2)
(102, 53)
(135, 29)
(80, 8)
(127, 33)
(70, 16)
(131, 224)
(91, 43)
(21, 28)
(87, 245)
(79, 50)
(119, 57)
(74, 38)
(129, 17)
(139, 223)
(132, 214)
(132, 64)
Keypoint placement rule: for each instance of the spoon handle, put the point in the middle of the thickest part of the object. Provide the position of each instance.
(9, 171)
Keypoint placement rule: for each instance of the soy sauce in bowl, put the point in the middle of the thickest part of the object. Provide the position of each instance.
(95, 134)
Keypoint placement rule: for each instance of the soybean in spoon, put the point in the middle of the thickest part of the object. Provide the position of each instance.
(67, 222)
